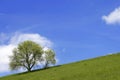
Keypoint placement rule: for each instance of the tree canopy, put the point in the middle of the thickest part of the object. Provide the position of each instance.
(27, 55)
(49, 57)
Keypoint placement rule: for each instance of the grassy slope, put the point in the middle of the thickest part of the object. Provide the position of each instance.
(102, 68)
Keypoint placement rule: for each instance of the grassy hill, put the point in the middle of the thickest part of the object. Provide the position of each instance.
(101, 68)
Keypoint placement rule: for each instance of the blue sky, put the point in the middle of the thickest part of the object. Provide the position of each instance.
(78, 29)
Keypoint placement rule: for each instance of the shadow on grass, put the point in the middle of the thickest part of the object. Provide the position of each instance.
(37, 70)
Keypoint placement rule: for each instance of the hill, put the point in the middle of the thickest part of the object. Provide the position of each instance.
(101, 68)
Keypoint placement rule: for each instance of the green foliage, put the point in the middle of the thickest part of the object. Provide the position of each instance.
(49, 58)
(26, 55)
(102, 68)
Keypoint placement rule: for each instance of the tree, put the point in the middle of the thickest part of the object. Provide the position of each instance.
(26, 55)
(49, 58)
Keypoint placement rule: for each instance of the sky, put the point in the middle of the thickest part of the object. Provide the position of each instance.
(75, 29)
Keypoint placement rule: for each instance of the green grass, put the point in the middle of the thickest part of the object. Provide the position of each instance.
(101, 68)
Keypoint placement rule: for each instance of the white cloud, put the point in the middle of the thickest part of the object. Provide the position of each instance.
(6, 50)
(19, 37)
(113, 17)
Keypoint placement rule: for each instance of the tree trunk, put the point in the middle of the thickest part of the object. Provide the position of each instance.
(46, 65)
(29, 70)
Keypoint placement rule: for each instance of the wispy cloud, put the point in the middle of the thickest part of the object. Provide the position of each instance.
(113, 17)
(6, 50)
(3, 38)
(29, 28)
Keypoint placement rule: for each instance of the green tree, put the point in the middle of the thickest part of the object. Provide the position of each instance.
(26, 55)
(49, 58)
